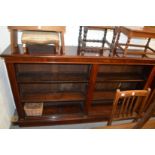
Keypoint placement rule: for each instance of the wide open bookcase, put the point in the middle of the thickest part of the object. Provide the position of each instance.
(73, 89)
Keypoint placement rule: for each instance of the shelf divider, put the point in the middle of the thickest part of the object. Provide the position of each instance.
(91, 87)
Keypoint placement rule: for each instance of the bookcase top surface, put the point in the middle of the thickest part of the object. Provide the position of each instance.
(71, 56)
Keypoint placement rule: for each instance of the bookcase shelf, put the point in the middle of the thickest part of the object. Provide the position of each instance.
(44, 97)
(120, 77)
(63, 108)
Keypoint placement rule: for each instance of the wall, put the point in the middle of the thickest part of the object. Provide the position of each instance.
(6, 99)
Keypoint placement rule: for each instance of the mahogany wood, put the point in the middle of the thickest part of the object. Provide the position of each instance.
(88, 90)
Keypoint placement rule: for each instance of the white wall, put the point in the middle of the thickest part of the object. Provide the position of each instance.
(4, 38)
(6, 99)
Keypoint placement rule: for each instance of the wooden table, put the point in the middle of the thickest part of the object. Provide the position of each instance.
(135, 32)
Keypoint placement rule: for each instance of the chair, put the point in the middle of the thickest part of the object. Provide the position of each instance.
(83, 40)
(144, 122)
(133, 32)
(129, 104)
(38, 35)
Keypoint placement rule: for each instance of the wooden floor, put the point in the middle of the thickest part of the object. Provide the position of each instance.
(149, 125)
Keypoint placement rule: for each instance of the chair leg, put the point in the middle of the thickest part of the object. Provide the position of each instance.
(57, 48)
(114, 50)
(79, 41)
(146, 46)
(103, 41)
(135, 120)
(126, 47)
(113, 42)
(109, 122)
(84, 39)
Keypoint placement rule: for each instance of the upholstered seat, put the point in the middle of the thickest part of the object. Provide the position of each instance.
(39, 37)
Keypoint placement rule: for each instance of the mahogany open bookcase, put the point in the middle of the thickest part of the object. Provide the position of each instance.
(72, 88)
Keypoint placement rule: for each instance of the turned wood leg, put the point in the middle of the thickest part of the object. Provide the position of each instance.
(113, 41)
(79, 40)
(104, 40)
(84, 38)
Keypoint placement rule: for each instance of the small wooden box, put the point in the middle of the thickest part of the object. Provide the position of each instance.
(33, 109)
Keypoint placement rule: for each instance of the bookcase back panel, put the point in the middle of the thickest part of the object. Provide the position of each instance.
(42, 88)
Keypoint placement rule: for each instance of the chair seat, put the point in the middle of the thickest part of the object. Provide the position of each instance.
(37, 37)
